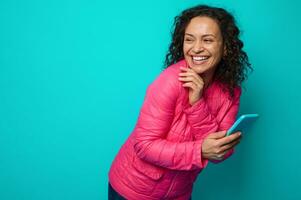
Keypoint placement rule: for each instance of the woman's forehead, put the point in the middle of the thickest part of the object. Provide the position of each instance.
(203, 25)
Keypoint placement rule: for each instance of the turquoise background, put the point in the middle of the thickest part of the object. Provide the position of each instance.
(73, 76)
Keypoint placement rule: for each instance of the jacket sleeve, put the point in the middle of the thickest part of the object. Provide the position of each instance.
(201, 120)
(153, 124)
(228, 117)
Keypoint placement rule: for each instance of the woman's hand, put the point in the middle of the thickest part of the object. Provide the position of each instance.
(194, 82)
(216, 145)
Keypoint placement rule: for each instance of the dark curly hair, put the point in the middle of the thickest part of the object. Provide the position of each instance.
(233, 67)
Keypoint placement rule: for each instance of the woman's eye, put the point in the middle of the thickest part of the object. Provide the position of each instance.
(208, 40)
(188, 39)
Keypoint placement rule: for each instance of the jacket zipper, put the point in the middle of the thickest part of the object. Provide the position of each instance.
(171, 185)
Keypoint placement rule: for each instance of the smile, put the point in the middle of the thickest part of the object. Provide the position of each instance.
(199, 58)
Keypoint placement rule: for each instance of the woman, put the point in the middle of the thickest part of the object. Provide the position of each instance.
(186, 111)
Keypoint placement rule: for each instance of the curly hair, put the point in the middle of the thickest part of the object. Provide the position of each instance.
(234, 65)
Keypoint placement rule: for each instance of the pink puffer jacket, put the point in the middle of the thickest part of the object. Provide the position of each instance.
(162, 157)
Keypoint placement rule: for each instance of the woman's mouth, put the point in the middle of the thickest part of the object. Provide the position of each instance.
(198, 60)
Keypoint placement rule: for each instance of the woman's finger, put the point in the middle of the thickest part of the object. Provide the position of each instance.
(191, 73)
(185, 68)
(190, 85)
(221, 155)
(191, 77)
(229, 139)
(229, 146)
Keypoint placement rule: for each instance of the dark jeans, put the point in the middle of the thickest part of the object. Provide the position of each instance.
(113, 195)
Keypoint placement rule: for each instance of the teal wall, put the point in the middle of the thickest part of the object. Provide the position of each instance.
(73, 75)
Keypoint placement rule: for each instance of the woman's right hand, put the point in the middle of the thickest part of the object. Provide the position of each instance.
(194, 82)
(216, 145)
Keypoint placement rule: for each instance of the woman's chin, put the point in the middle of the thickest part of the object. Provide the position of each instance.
(197, 68)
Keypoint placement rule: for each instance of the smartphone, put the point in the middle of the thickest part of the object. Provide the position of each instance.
(242, 123)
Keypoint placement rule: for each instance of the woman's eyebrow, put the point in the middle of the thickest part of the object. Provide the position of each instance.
(205, 35)
(209, 35)
(189, 34)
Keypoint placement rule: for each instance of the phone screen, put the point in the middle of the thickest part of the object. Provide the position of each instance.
(242, 123)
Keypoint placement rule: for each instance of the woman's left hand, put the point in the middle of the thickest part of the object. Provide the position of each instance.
(194, 82)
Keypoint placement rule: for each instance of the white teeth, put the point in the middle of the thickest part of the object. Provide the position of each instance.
(199, 58)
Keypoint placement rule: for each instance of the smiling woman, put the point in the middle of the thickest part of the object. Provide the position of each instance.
(186, 111)
(203, 46)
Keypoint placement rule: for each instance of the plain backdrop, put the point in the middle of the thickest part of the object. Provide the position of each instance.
(73, 75)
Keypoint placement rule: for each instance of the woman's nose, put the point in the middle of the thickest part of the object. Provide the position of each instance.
(198, 47)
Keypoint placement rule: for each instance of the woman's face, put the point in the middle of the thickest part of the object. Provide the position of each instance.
(203, 45)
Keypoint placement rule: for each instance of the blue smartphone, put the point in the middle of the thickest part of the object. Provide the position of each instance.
(242, 123)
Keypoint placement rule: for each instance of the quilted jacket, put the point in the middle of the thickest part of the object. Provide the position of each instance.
(162, 156)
